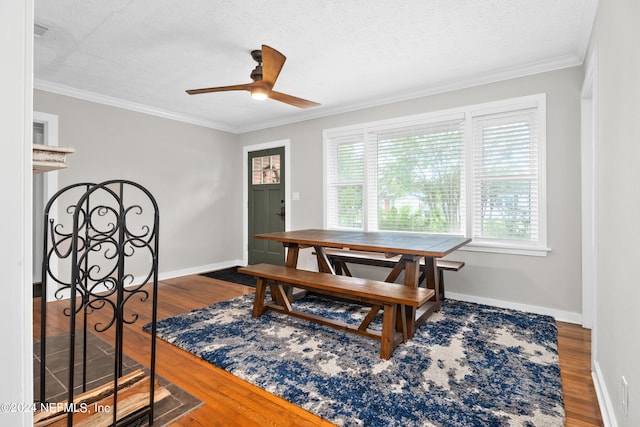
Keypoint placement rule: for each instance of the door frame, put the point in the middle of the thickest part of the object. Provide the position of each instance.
(285, 143)
(49, 181)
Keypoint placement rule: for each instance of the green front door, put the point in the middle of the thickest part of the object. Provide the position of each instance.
(266, 204)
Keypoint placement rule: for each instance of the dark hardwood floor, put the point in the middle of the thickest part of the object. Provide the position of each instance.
(230, 401)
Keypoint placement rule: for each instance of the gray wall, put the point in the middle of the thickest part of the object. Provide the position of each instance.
(195, 173)
(550, 284)
(187, 168)
(616, 336)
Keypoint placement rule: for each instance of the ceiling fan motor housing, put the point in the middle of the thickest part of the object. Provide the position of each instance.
(256, 74)
(257, 55)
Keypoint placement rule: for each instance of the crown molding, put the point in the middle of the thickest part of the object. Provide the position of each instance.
(450, 86)
(444, 87)
(127, 105)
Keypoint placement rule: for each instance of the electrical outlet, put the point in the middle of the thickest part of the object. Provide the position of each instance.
(625, 396)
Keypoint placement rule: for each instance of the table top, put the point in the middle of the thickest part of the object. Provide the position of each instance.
(428, 245)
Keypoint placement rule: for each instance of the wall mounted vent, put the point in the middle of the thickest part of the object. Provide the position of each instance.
(39, 29)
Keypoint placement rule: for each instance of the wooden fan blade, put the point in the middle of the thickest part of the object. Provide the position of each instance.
(272, 62)
(292, 100)
(247, 86)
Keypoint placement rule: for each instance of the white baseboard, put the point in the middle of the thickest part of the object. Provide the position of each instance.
(560, 315)
(604, 398)
(199, 269)
(167, 275)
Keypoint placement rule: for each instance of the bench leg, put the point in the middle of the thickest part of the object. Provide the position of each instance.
(369, 317)
(404, 318)
(282, 295)
(387, 343)
(258, 299)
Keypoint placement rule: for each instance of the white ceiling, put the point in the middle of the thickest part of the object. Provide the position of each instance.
(344, 54)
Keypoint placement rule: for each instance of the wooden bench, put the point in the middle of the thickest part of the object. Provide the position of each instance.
(340, 257)
(390, 297)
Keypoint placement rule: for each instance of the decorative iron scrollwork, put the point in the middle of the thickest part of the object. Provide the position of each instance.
(100, 252)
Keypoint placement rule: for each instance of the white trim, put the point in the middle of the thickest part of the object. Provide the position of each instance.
(505, 249)
(542, 175)
(50, 179)
(245, 188)
(199, 269)
(128, 105)
(325, 177)
(26, 321)
(50, 122)
(559, 315)
(442, 87)
(604, 397)
(589, 187)
(16, 133)
(586, 27)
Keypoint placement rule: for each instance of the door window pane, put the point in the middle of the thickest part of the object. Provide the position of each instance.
(266, 170)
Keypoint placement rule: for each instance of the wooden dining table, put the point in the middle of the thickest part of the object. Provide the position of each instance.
(412, 248)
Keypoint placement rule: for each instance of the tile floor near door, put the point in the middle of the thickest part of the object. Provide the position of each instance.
(100, 362)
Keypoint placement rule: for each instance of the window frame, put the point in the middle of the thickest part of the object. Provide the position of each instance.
(467, 113)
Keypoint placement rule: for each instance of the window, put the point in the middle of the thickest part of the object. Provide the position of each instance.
(476, 171)
(266, 170)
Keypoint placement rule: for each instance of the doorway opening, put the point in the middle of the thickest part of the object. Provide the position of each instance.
(267, 202)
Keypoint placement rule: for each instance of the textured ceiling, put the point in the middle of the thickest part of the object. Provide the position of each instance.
(344, 54)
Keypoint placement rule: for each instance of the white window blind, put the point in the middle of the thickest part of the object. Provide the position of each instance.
(346, 181)
(476, 171)
(418, 178)
(505, 177)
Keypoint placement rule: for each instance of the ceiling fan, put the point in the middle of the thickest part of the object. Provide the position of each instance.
(264, 76)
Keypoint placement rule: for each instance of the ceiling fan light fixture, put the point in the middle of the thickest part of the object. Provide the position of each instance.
(259, 94)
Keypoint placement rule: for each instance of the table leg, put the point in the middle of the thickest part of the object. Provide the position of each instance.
(293, 250)
(411, 270)
(324, 265)
(411, 278)
(432, 278)
(431, 282)
(395, 272)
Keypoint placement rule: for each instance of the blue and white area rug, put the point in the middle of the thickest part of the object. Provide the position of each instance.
(469, 365)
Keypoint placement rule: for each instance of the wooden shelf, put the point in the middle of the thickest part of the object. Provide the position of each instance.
(48, 158)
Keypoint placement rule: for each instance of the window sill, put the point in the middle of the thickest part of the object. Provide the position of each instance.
(505, 249)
